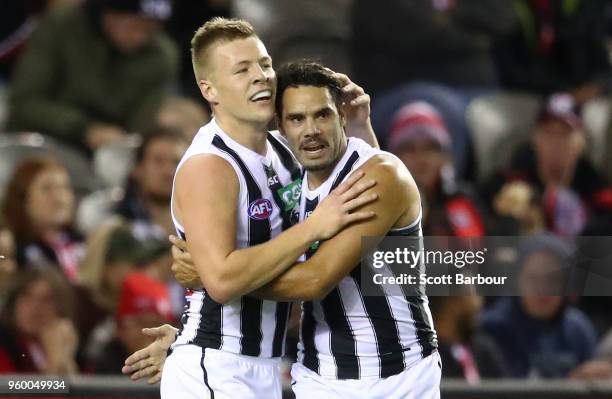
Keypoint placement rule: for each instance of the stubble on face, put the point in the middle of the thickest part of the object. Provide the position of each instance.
(313, 127)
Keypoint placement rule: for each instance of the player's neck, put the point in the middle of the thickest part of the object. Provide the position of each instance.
(318, 177)
(250, 135)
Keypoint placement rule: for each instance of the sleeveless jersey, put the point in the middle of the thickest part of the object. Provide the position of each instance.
(268, 197)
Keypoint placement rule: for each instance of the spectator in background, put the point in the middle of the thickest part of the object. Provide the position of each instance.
(570, 192)
(183, 115)
(37, 335)
(452, 41)
(8, 266)
(17, 21)
(559, 45)
(147, 195)
(419, 137)
(93, 72)
(112, 253)
(38, 210)
(539, 333)
(144, 303)
(187, 17)
(465, 353)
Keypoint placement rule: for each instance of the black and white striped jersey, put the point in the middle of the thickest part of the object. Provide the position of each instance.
(269, 195)
(348, 335)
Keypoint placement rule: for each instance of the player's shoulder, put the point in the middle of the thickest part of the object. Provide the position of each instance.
(208, 172)
(201, 158)
(206, 164)
(387, 165)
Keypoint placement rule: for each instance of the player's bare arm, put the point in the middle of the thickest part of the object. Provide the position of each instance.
(207, 190)
(398, 206)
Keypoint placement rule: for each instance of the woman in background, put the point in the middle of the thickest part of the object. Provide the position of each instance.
(37, 335)
(39, 211)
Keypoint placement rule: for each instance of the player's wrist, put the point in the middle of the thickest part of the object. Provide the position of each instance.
(311, 231)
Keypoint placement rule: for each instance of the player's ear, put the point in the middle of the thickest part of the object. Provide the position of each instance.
(342, 116)
(208, 90)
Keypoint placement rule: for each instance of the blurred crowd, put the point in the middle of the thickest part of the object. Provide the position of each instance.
(499, 108)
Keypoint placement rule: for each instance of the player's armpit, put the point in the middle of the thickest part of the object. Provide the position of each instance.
(335, 258)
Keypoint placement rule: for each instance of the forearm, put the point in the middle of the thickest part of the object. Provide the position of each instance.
(247, 269)
(302, 282)
(364, 132)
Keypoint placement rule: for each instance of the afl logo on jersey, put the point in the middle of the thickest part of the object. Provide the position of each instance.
(260, 209)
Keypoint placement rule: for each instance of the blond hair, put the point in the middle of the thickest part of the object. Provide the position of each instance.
(215, 31)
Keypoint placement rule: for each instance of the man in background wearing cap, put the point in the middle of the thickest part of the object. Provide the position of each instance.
(420, 138)
(93, 72)
(569, 192)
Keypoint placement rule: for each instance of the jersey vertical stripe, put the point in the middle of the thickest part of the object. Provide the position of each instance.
(349, 335)
(344, 172)
(286, 157)
(246, 325)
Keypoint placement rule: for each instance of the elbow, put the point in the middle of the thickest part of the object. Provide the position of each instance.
(220, 296)
(220, 292)
(317, 292)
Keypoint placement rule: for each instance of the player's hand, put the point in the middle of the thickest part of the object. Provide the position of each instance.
(356, 102)
(340, 207)
(149, 361)
(183, 267)
(356, 108)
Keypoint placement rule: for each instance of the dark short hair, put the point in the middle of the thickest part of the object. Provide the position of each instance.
(305, 73)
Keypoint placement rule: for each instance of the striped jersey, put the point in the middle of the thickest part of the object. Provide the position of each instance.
(348, 335)
(268, 199)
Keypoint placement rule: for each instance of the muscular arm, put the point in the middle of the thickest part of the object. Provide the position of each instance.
(210, 202)
(336, 257)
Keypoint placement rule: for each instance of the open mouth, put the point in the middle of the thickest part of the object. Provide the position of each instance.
(313, 148)
(261, 96)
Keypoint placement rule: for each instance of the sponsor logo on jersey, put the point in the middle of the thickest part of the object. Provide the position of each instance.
(272, 180)
(260, 209)
(290, 194)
